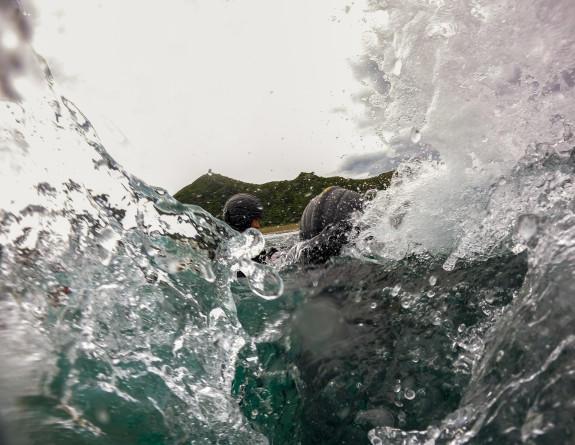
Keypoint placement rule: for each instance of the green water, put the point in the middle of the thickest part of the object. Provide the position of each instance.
(355, 345)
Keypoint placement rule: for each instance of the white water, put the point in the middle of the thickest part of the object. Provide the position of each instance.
(481, 82)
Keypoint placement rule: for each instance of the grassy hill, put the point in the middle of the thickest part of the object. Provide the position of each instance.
(283, 201)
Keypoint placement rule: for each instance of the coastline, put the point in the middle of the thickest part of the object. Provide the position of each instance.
(275, 230)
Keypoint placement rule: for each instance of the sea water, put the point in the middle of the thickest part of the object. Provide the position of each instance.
(448, 318)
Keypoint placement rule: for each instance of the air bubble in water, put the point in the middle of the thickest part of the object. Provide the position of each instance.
(430, 294)
(436, 318)
(373, 438)
(415, 135)
(409, 394)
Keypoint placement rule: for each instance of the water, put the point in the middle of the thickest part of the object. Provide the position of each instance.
(447, 319)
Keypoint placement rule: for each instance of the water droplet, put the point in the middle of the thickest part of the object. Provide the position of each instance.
(415, 135)
(500, 355)
(436, 318)
(401, 416)
(373, 305)
(433, 432)
(10, 40)
(396, 70)
(395, 290)
(103, 416)
(433, 280)
(405, 302)
(461, 328)
(409, 394)
(527, 226)
(489, 297)
(484, 139)
(397, 388)
(430, 294)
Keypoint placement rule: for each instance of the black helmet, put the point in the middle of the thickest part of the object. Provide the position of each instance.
(240, 210)
(332, 207)
(325, 223)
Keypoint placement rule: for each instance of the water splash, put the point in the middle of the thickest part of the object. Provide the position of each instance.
(117, 317)
(455, 325)
(470, 69)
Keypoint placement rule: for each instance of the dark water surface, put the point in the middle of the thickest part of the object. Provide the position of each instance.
(357, 345)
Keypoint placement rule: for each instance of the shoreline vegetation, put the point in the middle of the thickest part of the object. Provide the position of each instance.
(283, 201)
(276, 230)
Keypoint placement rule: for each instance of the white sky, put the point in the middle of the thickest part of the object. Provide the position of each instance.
(247, 88)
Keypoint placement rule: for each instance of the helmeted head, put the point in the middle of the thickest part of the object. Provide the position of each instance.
(333, 207)
(326, 222)
(241, 210)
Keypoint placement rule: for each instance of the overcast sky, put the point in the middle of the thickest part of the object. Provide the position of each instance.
(257, 90)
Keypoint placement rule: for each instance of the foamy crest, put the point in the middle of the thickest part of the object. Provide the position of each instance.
(480, 82)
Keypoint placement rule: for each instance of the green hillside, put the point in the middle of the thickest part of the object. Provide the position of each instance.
(283, 201)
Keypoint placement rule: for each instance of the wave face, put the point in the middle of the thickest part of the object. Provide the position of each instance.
(117, 320)
(448, 320)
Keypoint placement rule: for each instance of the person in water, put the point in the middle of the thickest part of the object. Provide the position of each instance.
(244, 211)
(326, 223)
(324, 226)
